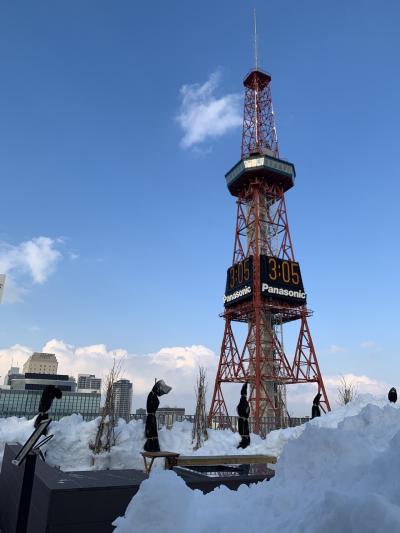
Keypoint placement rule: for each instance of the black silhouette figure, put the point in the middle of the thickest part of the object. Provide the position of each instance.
(243, 410)
(151, 433)
(49, 393)
(392, 396)
(315, 411)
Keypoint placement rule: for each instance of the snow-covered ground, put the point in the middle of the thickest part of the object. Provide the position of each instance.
(69, 448)
(338, 473)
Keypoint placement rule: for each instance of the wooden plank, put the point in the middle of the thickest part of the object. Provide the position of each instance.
(159, 454)
(212, 460)
(170, 459)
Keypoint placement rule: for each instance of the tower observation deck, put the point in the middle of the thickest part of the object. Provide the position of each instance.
(264, 287)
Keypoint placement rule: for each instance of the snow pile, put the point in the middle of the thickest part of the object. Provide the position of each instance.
(339, 475)
(69, 449)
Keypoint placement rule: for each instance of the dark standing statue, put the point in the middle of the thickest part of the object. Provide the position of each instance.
(315, 411)
(151, 433)
(243, 410)
(392, 396)
(49, 393)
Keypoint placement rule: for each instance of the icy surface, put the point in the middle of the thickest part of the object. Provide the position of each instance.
(338, 473)
(335, 474)
(69, 448)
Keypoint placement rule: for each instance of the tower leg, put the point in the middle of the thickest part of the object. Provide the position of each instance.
(230, 368)
(305, 365)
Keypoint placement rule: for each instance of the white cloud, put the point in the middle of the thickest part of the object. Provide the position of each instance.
(300, 397)
(36, 258)
(14, 356)
(371, 346)
(178, 367)
(363, 384)
(334, 348)
(204, 116)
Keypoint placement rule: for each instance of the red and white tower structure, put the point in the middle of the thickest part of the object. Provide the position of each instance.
(264, 288)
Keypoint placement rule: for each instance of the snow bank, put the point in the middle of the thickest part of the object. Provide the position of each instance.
(338, 473)
(70, 451)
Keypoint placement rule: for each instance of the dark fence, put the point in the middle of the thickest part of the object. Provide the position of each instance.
(229, 422)
(167, 420)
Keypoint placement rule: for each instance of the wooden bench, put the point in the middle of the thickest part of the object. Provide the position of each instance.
(170, 458)
(214, 460)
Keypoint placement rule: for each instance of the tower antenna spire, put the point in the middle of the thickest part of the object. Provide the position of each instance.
(255, 37)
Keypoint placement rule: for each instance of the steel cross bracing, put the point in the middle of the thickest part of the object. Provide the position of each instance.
(262, 228)
(275, 240)
(259, 131)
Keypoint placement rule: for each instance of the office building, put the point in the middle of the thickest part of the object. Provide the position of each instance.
(33, 381)
(25, 403)
(122, 390)
(174, 411)
(88, 382)
(41, 363)
(22, 392)
(13, 373)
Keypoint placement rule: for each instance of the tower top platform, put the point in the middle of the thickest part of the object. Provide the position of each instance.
(270, 169)
(257, 77)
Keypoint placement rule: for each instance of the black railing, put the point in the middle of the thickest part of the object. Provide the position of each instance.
(229, 422)
(267, 424)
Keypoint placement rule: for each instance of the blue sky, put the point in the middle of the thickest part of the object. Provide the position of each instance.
(137, 221)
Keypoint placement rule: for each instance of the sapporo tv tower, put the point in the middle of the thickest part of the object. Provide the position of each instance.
(264, 288)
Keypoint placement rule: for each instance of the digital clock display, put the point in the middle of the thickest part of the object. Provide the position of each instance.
(281, 279)
(239, 282)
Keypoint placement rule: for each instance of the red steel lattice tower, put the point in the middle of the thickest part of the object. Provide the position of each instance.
(264, 288)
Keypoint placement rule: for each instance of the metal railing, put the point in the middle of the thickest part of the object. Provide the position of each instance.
(228, 422)
(168, 419)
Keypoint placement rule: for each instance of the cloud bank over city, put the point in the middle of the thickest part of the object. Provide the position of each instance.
(30, 262)
(203, 116)
(178, 366)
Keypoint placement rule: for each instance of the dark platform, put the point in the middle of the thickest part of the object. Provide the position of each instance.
(89, 501)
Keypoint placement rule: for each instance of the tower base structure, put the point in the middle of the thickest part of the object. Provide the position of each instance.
(266, 375)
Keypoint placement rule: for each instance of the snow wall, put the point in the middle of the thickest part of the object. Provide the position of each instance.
(338, 473)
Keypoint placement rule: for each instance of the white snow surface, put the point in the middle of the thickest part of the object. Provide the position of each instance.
(70, 451)
(335, 474)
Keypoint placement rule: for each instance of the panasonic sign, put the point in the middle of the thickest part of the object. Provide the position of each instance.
(237, 295)
(288, 293)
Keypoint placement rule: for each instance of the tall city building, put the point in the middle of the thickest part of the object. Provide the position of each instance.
(88, 382)
(41, 363)
(122, 390)
(12, 374)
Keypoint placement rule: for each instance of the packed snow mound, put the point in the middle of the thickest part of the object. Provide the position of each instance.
(339, 475)
(69, 449)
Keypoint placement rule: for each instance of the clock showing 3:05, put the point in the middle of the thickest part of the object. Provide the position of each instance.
(281, 279)
(239, 282)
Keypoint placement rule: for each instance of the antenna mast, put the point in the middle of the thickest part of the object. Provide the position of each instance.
(255, 37)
